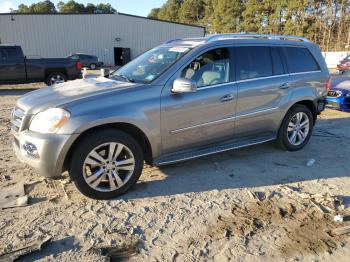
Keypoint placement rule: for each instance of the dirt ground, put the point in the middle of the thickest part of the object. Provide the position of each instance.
(199, 210)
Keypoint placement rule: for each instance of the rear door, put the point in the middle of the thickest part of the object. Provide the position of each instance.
(12, 66)
(262, 85)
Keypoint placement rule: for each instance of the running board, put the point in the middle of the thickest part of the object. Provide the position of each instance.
(209, 150)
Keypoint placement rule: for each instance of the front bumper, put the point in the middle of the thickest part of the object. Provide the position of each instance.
(49, 151)
(339, 103)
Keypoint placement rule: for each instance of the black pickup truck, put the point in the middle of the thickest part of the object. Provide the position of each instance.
(15, 68)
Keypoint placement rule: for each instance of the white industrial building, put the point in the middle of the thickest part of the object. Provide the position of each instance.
(107, 36)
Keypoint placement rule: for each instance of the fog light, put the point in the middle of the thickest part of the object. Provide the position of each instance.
(30, 149)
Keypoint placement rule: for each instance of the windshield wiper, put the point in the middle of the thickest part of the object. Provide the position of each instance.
(125, 77)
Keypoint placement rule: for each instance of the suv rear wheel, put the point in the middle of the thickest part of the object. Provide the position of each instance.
(106, 164)
(55, 78)
(296, 128)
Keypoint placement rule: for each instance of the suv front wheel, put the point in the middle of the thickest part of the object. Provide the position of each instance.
(106, 164)
(296, 128)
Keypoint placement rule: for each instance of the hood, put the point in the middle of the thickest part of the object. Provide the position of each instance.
(67, 92)
(340, 83)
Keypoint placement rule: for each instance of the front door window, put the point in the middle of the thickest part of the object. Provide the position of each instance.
(210, 68)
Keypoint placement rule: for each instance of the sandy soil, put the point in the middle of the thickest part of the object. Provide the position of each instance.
(199, 210)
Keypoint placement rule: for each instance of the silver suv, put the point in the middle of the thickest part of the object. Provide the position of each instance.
(183, 99)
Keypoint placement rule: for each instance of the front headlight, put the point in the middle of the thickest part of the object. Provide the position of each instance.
(49, 121)
(348, 94)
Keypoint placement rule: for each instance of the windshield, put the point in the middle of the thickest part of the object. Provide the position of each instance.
(150, 65)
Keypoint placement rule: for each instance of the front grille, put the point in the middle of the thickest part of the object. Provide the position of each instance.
(17, 119)
(334, 93)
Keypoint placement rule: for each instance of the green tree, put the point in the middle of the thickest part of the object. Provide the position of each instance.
(90, 8)
(192, 11)
(71, 7)
(74, 7)
(46, 7)
(104, 9)
(252, 18)
(22, 8)
(170, 10)
(154, 13)
(226, 16)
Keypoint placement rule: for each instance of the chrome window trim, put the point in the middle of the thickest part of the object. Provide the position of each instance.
(257, 78)
(260, 78)
(306, 72)
(216, 85)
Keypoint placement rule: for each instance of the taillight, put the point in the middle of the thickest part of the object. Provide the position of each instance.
(328, 84)
(78, 66)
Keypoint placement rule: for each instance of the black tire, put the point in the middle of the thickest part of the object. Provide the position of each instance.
(90, 142)
(282, 138)
(93, 66)
(56, 75)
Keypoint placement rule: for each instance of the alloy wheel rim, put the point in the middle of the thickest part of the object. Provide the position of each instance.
(108, 167)
(298, 128)
(55, 79)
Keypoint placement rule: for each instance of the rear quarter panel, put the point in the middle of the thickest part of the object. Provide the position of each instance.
(37, 68)
(307, 85)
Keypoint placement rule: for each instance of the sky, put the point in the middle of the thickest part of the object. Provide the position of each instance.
(133, 7)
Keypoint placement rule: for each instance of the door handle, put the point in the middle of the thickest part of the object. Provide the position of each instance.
(284, 86)
(227, 97)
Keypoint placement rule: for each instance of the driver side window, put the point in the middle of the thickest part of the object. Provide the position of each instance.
(210, 68)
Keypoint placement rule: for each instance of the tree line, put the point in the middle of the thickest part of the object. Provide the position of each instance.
(47, 7)
(326, 22)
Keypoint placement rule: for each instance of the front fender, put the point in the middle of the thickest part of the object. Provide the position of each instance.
(140, 109)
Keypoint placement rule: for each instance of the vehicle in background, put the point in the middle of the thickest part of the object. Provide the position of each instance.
(344, 65)
(88, 61)
(15, 68)
(338, 96)
(184, 99)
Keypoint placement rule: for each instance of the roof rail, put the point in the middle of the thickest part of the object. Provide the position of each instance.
(172, 40)
(255, 36)
(191, 39)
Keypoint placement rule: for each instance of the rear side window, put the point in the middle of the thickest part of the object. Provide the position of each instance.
(299, 59)
(253, 62)
(278, 68)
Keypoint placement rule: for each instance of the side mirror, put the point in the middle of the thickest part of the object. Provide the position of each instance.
(184, 85)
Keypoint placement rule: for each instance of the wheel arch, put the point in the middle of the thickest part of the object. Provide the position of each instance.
(55, 70)
(128, 128)
(310, 105)
(306, 102)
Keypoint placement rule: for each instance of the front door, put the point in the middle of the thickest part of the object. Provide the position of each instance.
(190, 120)
(262, 85)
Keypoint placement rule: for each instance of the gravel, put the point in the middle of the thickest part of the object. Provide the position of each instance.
(199, 210)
